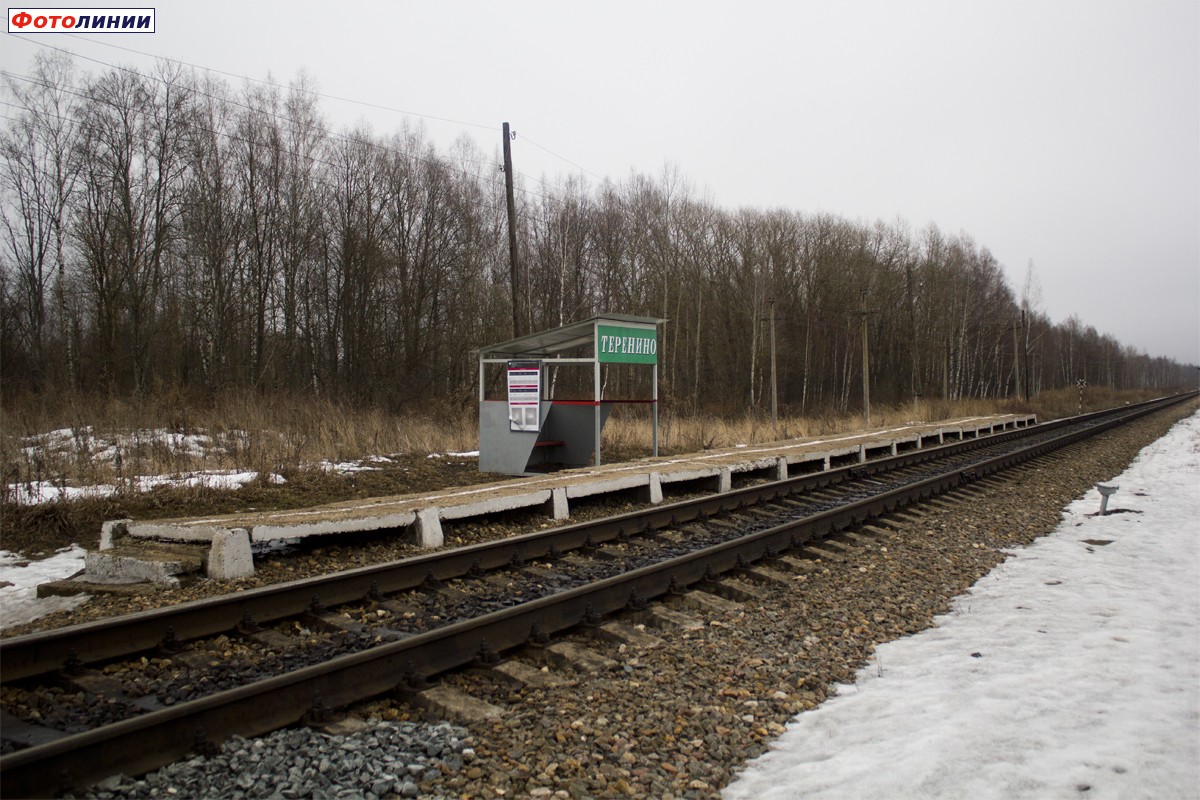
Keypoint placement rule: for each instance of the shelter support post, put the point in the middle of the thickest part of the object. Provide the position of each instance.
(654, 405)
(596, 413)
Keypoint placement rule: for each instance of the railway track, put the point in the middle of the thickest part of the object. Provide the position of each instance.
(445, 610)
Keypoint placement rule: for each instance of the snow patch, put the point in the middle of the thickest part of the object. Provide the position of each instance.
(19, 579)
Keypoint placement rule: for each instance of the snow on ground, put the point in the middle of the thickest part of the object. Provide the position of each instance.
(33, 492)
(1071, 670)
(19, 579)
(83, 443)
(360, 465)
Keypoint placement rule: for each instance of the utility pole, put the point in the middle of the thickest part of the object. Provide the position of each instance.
(1016, 360)
(774, 395)
(946, 371)
(1025, 353)
(513, 265)
(866, 364)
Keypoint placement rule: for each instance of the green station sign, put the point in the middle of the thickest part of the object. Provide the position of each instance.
(620, 345)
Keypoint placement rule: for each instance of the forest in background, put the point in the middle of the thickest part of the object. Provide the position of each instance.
(168, 232)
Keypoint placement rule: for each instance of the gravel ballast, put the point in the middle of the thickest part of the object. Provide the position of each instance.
(383, 759)
(678, 719)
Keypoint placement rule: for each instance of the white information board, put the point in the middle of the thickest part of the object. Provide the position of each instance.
(524, 395)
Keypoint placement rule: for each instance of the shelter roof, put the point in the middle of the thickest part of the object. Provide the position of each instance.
(559, 340)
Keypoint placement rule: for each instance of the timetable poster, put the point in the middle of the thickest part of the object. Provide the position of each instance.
(524, 395)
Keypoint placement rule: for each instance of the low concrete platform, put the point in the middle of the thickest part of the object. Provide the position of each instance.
(420, 516)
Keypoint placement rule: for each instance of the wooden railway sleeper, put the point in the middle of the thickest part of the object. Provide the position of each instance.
(518, 673)
(27, 734)
(765, 575)
(271, 639)
(737, 590)
(707, 601)
(664, 617)
(837, 545)
(619, 632)
(819, 550)
(792, 505)
(799, 564)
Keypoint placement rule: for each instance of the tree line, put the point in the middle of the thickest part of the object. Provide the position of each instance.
(163, 229)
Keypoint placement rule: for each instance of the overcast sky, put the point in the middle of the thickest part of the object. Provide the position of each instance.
(1062, 133)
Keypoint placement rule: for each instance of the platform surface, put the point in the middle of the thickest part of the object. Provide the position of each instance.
(555, 490)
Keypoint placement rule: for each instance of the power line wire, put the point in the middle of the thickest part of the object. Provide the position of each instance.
(232, 137)
(292, 88)
(286, 124)
(329, 97)
(264, 82)
(525, 138)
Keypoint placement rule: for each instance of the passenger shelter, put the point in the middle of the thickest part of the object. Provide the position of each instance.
(530, 428)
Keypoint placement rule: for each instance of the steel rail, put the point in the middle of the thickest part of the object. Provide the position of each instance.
(27, 656)
(146, 742)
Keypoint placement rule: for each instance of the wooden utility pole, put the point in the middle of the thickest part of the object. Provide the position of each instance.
(1025, 353)
(774, 394)
(1016, 360)
(513, 264)
(946, 371)
(866, 364)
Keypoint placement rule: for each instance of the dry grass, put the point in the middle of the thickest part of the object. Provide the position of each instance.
(245, 432)
(289, 436)
(286, 435)
(629, 434)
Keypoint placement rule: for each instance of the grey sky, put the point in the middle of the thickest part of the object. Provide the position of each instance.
(1066, 133)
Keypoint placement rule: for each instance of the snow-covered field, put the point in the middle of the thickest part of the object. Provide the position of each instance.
(1072, 670)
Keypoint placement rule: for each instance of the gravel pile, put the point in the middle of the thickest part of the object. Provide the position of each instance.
(386, 759)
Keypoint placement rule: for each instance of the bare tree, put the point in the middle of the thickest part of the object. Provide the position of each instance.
(38, 181)
(133, 162)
